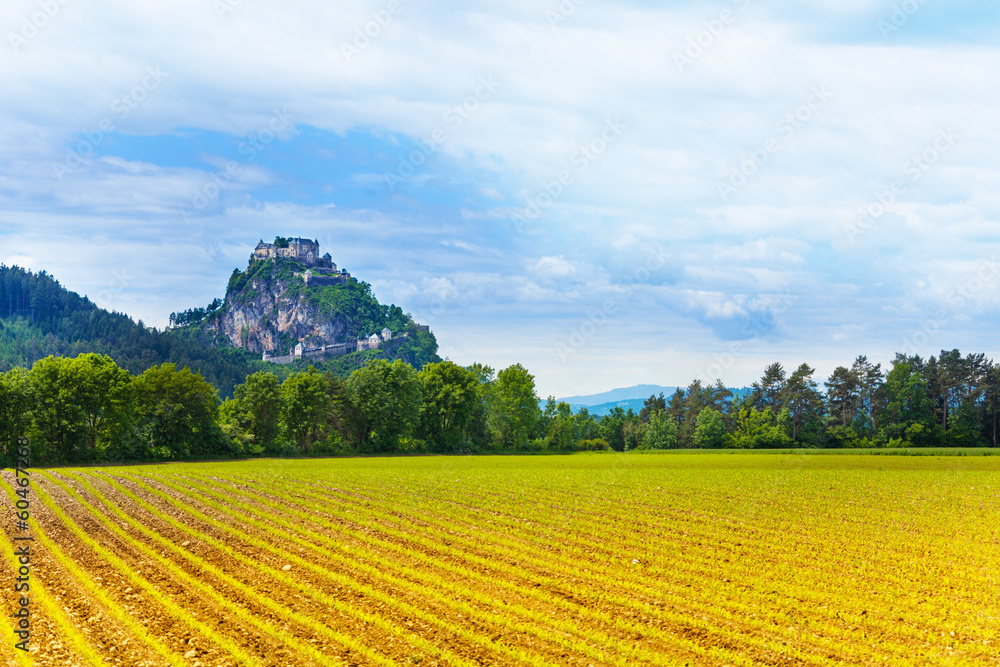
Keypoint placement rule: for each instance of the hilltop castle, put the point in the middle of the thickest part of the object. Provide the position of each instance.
(321, 271)
(301, 250)
(318, 271)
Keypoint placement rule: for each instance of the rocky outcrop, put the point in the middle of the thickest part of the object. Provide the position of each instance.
(266, 315)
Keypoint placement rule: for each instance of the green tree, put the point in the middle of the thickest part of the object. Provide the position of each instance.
(710, 432)
(652, 404)
(306, 409)
(614, 427)
(177, 414)
(513, 407)
(58, 427)
(842, 395)
(660, 433)
(106, 398)
(449, 400)
(585, 427)
(478, 428)
(908, 417)
(759, 429)
(560, 426)
(805, 405)
(767, 393)
(870, 379)
(260, 405)
(386, 398)
(633, 433)
(15, 411)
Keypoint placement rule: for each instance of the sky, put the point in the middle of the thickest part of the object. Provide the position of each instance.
(609, 193)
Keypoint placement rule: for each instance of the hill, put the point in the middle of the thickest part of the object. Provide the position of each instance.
(39, 317)
(292, 307)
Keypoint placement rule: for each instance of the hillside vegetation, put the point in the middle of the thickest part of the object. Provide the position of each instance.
(41, 318)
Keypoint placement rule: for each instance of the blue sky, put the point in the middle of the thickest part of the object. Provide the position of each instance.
(610, 193)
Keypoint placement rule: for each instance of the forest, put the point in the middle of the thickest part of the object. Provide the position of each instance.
(88, 409)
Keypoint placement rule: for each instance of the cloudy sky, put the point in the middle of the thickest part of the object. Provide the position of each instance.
(610, 193)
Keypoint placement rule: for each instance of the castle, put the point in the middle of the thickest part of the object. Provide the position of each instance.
(321, 271)
(301, 250)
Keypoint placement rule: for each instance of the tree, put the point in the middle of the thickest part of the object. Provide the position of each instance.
(652, 405)
(710, 432)
(661, 432)
(675, 407)
(633, 433)
(449, 401)
(869, 379)
(306, 410)
(759, 429)
(612, 427)
(560, 426)
(261, 402)
(804, 404)
(177, 414)
(767, 393)
(105, 395)
(58, 426)
(585, 427)
(991, 405)
(695, 400)
(908, 417)
(513, 407)
(15, 415)
(386, 397)
(842, 395)
(478, 428)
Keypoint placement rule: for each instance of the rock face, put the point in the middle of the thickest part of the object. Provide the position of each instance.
(267, 313)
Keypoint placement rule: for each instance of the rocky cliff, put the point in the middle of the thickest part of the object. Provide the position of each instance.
(269, 308)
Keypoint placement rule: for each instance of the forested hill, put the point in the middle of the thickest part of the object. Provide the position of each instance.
(39, 317)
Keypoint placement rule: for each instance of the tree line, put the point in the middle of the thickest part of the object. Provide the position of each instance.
(88, 409)
(949, 400)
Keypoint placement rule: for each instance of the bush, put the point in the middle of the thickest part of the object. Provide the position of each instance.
(595, 445)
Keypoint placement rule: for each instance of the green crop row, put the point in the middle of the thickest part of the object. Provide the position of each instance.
(276, 574)
(201, 565)
(226, 504)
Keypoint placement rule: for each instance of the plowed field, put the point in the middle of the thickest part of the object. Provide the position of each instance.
(680, 559)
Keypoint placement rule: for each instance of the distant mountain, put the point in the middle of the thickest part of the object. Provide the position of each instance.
(639, 391)
(599, 405)
(604, 409)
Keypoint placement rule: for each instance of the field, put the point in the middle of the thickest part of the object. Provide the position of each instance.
(676, 559)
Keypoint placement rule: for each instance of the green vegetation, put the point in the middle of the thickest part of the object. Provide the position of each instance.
(40, 318)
